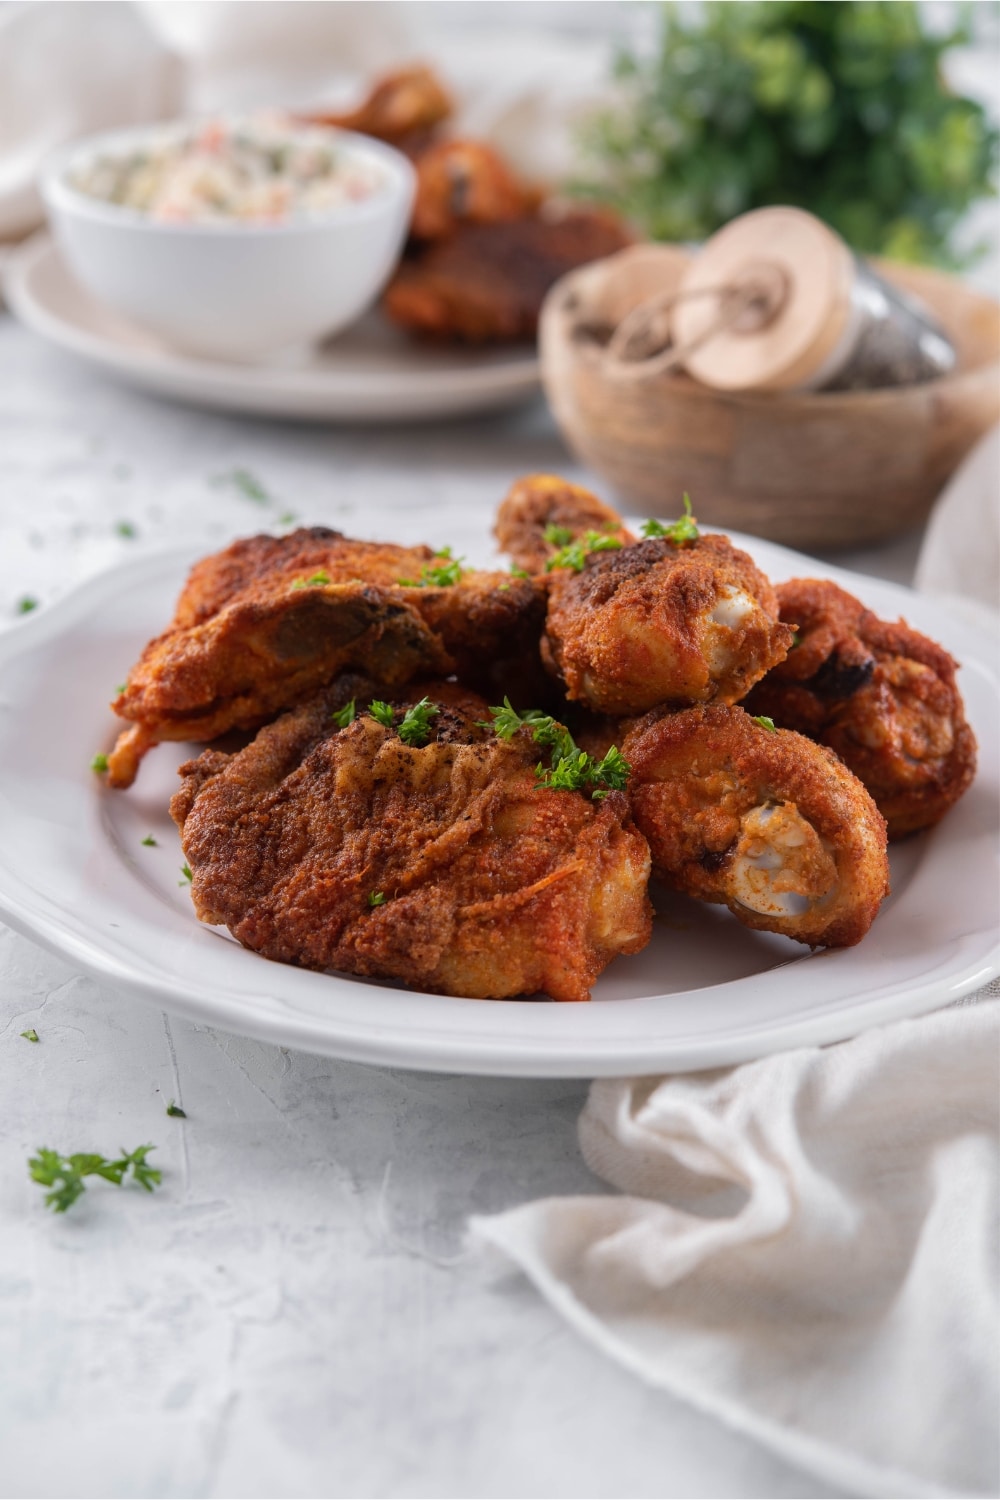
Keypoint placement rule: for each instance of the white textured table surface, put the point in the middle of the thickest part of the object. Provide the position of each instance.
(292, 1313)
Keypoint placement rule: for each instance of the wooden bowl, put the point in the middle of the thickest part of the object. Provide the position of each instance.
(812, 470)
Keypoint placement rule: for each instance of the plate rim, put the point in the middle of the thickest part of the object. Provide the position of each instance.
(386, 395)
(430, 1051)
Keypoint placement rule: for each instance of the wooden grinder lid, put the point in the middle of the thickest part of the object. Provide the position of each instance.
(801, 274)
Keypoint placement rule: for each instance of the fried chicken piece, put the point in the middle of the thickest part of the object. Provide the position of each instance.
(267, 621)
(761, 820)
(466, 182)
(882, 695)
(662, 622)
(440, 864)
(404, 106)
(487, 282)
(543, 513)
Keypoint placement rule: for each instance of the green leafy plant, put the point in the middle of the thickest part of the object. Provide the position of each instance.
(838, 107)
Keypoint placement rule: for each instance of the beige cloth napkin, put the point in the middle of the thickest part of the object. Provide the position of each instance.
(805, 1249)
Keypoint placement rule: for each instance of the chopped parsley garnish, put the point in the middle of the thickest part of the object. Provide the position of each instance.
(519, 572)
(149, 842)
(434, 575)
(344, 716)
(65, 1174)
(120, 689)
(796, 640)
(99, 762)
(287, 518)
(557, 536)
(382, 713)
(571, 769)
(321, 577)
(26, 604)
(764, 722)
(175, 1111)
(575, 555)
(31, 1035)
(376, 898)
(126, 530)
(685, 529)
(186, 872)
(248, 485)
(414, 728)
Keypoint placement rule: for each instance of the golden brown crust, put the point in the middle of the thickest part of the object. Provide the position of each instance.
(486, 282)
(539, 502)
(401, 107)
(882, 695)
(492, 887)
(735, 812)
(264, 623)
(648, 625)
(465, 182)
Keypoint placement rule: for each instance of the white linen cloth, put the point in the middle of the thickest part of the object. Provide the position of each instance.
(807, 1245)
(805, 1249)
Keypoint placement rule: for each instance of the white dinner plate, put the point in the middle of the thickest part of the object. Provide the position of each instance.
(76, 875)
(370, 373)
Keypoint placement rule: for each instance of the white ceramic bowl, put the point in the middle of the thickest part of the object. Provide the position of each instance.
(232, 290)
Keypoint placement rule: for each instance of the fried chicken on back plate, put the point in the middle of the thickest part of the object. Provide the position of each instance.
(543, 513)
(465, 182)
(438, 863)
(662, 622)
(486, 282)
(762, 820)
(269, 620)
(881, 695)
(401, 108)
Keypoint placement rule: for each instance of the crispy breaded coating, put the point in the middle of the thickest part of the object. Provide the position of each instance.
(663, 623)
(465, 182)
(543, 512)
(880, 694)
(761, 820)
(401, 107)
(264, 623)
(440, 865)
(486, 282)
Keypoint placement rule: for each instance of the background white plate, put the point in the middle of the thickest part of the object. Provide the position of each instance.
(75, 875)
(370, 373)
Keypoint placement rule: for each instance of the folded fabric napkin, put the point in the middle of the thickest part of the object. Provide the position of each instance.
(806, 1249)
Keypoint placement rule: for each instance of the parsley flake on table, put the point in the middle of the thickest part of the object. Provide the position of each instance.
(175, 1111)
(31, 1035)
(764, 722)
(149, 842)
(684, 529)
(575, 554)
(318, 578)
(26, 604)
(248, 485)
(287, 518)
(65, 1174)
(344, 716)
(376, 898)
(99, 762)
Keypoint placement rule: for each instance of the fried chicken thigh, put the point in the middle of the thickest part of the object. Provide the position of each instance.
(465, 182)
(269, 620)
(763, 821)
(486, 282)
(662, 623)
(881, 695)
(440, 865)
(543, 512)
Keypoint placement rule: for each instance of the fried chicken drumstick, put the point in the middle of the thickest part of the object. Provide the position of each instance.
(881, 695)
(430, 856)
(762, 820)
(263, 624)
(401, 108)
